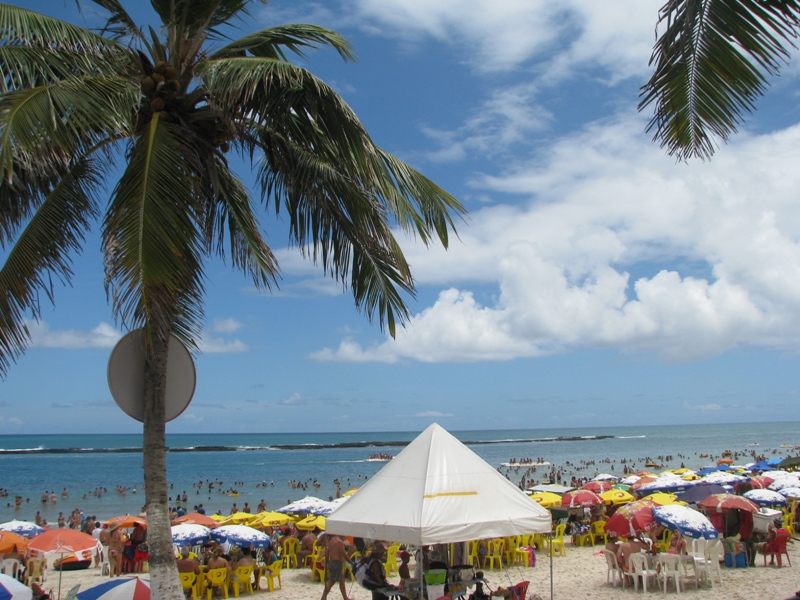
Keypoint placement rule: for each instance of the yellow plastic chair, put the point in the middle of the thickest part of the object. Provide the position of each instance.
(495, 554)
(557, 545)
(663, 542)
(788, 523)
(512, 542)
(290, 552)
(189, 582)
(390, 566)
(582, 538)
(34, 571)
(473, 553)
(242, 578)
(316, 552)
(598, 530)
(538, 540)
(217, 578)
(272, 572)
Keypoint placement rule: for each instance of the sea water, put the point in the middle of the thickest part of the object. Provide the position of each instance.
(260, 466)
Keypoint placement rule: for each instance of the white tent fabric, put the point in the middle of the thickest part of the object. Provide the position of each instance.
(438, 491)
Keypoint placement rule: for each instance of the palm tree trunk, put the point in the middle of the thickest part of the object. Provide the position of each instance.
(164, 581)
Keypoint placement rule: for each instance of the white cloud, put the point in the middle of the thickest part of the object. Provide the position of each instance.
(225, 325)
(575, 265)
(294, 400)
(432, 413)
(702, 407)
(10, 422)
(102, 336)
(213, 345)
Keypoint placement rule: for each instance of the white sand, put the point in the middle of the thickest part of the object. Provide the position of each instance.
(581, 574)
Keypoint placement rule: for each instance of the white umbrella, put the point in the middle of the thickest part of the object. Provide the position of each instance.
(11, 589)
(606, 477)
(688, 521)
(240, 535)
(722, 478)
(766, 497)
(784, 482)
(790, 492)
(309, 506)
(189, 534)
(629, 480)
(23, 528)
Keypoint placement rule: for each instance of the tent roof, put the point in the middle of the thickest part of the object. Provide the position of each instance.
(438, 491)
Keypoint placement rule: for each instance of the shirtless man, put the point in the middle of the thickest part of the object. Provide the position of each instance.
(628, 548)
(335, 559)
(306, 546)
(186, 564)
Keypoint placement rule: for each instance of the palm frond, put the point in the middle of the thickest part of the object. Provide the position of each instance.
(270, 43)
(153, 245)
(119, 23)
(711, 63)
(201, 17)
(43, 249)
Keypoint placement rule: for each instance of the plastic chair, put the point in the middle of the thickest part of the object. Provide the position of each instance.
(11, 567)
(520, 590)
(663, 542)
(598, 530)
(189, 583)
(390, 566)
(494, 555)
(473, 554)
(713, 556)
(638, 568)
(669, 566)
(271, 572)
(290, 552)
(242, 578)
(582, 538)
(557, 545)
(316, 552)
(777, 548)
(614, 571)
(788, 523)
(34, 571)
(512, 542)
(217, 578)
(72, 594)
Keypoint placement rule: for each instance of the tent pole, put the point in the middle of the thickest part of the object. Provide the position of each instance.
(551, 565)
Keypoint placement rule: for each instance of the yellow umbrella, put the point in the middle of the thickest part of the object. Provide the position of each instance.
(238, 518)
(617, 496)
(270, 519)
(546, 499)
(350, 492)
(664, 499)
(310, 522)
(218, 518)
(691, 476)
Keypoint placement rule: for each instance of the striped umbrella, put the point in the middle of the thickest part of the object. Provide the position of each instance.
(122, 588)
(11, 589)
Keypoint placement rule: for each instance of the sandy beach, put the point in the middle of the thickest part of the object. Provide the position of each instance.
(580, 574)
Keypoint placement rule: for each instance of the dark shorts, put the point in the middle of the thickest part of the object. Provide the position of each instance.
(335, 570)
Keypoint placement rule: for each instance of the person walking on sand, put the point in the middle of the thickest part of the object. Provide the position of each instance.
(335, 558)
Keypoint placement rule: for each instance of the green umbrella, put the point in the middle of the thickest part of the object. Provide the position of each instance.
(789, 463)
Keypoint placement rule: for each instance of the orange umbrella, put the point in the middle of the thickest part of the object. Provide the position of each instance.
(63, 541)
(196, 518)
(10, 540)
(126, 521)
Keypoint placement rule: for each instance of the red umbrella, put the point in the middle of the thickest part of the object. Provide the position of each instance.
(631, 519)
(598, 487)
(761, 481)
(581, 498)
(63, 541)
(726, 502)
(196, 518)
(641, 482)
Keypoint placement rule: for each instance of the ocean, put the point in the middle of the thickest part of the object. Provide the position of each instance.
(260, 466)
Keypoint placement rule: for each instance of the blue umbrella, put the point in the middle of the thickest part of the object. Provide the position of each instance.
(241, 535)
(700, 491)
(688, 521)
(23, 528)
(766, 497)
(189, 534)
(121, 588)
(11, 589)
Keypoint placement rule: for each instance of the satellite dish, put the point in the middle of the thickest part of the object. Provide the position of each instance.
(126, 376)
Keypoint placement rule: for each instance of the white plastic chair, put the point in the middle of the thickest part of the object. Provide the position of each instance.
(614, 570)
(670, 567)
(11, 567)
(713, 555)
(638, 564)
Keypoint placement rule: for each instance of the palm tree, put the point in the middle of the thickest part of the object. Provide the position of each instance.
(167, 105)
(711, 62)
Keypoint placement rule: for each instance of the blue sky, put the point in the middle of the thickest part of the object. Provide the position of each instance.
(595, 282)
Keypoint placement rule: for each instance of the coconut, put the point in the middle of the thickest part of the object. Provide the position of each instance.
(148, 86)
(160, 67)
(157, 104)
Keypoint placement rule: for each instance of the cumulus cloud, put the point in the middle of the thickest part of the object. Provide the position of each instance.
(102, 336)
(294, 400)
(214, 345)
(617, 246)
(225, 325)
(10, 422)
(702, 407)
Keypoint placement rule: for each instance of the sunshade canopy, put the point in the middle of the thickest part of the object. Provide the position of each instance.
(438, 491)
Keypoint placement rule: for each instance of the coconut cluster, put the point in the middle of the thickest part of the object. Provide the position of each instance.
(161, 85)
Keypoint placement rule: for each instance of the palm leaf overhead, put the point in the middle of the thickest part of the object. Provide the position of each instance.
(167, 108)
(711, 63)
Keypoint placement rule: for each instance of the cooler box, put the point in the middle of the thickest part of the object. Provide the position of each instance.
(436, 577)
(763, 517)
(435, 591)
(736, 560)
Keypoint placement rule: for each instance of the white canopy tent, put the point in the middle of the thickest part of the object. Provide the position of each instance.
(438, 491)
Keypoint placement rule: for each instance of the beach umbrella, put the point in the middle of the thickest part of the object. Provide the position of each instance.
(699, 491)
(605, 477)
(598, 487)
(240, 535)
(196, 519)
(761, 481)
(784, 482)
(189, 534)
(311, 522)
(9, 541)
(56, 542)
(270, 519)
(630, 479)
(666, 484)
(350, 492)
(790, 492)
(617, 496)
(122, 588)
(546, 499)
(11, 589)
(238, 518)
(641, 482)
(766, 497)
(662, 498)
(23, 528)
(631, 519)
(126, 521)
(789, 463)
(724, 478)
(688, 521)
(580, 498)
(726, 502)
(309, 506)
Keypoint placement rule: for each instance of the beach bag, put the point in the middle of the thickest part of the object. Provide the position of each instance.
(363, 575)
